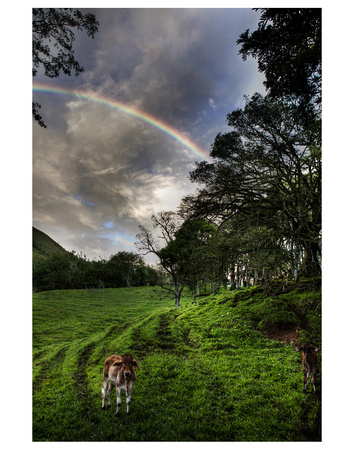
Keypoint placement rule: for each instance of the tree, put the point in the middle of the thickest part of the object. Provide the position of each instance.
(125, 264)
(267, 171)
(185, 255)
(54, 272)
(191, 251)
(287, 45)
(252, 251)
(52, 43)
(145, 276)
(263, 188)
(168, 223)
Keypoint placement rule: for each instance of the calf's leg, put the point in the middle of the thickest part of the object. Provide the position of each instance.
(109, 391)
(314, 381)
(306, 379)
(103, 391)
(119, 401)
(129, 391)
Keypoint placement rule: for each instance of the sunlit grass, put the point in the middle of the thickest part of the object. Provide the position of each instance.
(207, 373)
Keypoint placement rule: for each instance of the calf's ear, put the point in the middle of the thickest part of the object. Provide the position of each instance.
(314, 349)
(135, 364)
(299, 348)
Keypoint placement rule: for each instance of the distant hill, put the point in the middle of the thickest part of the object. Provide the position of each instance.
(43, 246)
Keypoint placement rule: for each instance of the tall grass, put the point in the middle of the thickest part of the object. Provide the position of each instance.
(207, 371)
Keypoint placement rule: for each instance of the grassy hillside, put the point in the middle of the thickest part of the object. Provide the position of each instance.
(208, 371)
(44, 246)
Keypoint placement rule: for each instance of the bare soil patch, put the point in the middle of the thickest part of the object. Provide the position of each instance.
(286, 335)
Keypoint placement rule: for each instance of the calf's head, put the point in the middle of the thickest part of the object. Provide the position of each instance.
(308, 350)
(127, 365)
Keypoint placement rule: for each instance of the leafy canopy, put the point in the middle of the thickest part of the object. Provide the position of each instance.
(268, 171)
(287, 45)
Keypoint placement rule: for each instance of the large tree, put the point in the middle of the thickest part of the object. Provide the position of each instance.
(180, 248)
(192, 247)
(52, 43)
(287, 45)
(267, 171)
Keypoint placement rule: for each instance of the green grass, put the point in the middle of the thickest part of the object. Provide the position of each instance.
(207, 371)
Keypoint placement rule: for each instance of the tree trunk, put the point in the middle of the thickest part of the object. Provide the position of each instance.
(198, 289)
(215, 287)
(255, 277)
(176, 293)
(311, 266)
(233, 278)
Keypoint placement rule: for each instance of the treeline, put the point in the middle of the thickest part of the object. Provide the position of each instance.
(74, 271)
(256, 214)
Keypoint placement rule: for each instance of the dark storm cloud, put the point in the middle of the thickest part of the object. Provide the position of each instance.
(95, 165)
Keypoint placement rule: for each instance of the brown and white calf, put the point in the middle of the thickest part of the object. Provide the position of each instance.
(119, 372)
(309, 360)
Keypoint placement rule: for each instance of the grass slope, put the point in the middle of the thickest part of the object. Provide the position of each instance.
(43, 245)
(208, 372)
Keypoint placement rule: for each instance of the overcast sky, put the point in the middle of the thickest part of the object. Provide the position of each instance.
(98, 172)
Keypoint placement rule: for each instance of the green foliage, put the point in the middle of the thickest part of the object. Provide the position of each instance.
(123, 266)
(207, 373)
(53, 273)
(72, 271)
(287, 45)
(265, 180)
(190, 248)
(171, 256)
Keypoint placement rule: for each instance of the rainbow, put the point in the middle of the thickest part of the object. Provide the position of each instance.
(128, 109)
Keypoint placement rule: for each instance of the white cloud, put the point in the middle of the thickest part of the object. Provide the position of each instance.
(212, 103)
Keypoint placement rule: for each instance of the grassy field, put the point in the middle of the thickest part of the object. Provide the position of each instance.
(208, 371)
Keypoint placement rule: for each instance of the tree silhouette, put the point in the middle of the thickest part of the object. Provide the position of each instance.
(52, 43)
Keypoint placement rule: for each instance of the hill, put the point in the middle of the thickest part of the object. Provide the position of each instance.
(222, 369)
(43, 245)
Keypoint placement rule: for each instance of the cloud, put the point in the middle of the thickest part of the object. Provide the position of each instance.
(99, 173)
(212, 104)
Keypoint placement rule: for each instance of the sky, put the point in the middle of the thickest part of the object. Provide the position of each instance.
(85, 213)
(157, 86)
